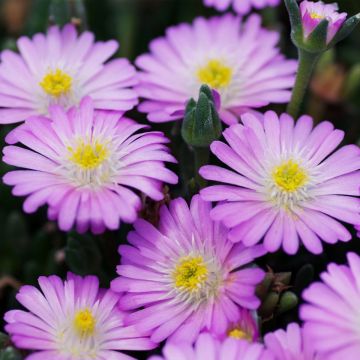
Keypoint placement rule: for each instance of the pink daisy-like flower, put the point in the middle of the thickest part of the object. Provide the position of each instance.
(292, 344)
(82, 163)
(313, 13)
(332, 313)
(286, 183)
(72, 320)
(185, 275)
(207, 348)
(62, 68)
(241, 6)
(240, 60)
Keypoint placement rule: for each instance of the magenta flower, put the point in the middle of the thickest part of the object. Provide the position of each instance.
(292, 344)
(238, 59)
(286, 183)
(82, 164)
(242, 7)
(244, 327)
(72, 320)
(207, 348)
(185, 277)
(313, 13)
(61, 68)
(332, 313)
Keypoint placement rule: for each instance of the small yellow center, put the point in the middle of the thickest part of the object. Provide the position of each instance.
(84, 322)
(289, 176)
(88, 156)
(316, 16)
(190, 273)
(56, 83)
(215, 74)
(239, 334)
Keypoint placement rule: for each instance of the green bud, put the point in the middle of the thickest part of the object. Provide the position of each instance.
(288, 301)
(269, 305)
(201, 124)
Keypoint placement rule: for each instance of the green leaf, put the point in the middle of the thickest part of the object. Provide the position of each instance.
(304, 278)
(316, 42)
(294, 14)
(347, 28)
(4, 340)
(82, 254)
(10, 354)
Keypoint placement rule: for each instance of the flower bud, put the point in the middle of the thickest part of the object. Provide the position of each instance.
(316, 26)
(201, 125)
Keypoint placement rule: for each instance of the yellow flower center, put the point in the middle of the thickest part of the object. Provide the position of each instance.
(190, 273)
(215, 74)
(289, 176)
(316, 16)
(84, 322)
(239, 334)
(56, 83)
(88, 156)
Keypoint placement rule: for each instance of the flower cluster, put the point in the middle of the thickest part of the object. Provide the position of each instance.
(188, 276)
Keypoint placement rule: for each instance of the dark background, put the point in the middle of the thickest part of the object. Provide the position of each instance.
(31, 246)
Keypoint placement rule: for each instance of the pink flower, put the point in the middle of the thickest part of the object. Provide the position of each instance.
(332, 312)
(72, 320)
(291, 344)
(62, 68)
(286, 184)
(313, 13)
(241, 6)
(185, 277)
(244, 327)
(240, 60)
(207, 348)
(82, 163)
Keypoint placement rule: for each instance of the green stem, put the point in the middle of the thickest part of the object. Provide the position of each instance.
(201, 158)
(307, 63)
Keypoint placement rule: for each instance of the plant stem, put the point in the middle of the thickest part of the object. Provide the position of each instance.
(201, 158)
(307, 63)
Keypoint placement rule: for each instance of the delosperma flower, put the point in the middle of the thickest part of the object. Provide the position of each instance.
(82, 163)
(62, 68)
(244, 327)
(241, 6)
(286, 184)
(292, 344)
(208, 348)
(313, 13)
(72, 320)
(185, 277)
(239, 59)
(331, 314)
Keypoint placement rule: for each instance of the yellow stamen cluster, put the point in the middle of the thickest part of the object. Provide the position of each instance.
(190, 273)
(289, 176)
(239, 334)
(84, 322)
(215, 74)
(316, 16)
(56, 83)
(88, 156)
